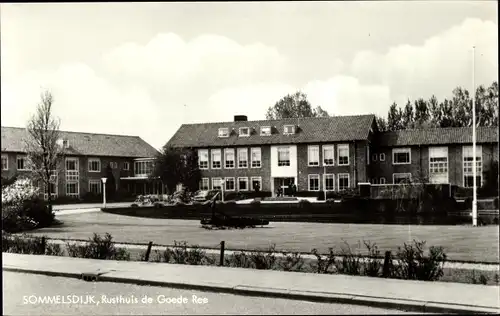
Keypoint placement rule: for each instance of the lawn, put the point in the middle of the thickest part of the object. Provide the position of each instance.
(464, 243)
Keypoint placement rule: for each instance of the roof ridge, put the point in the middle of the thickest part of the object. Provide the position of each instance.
(438, 128)
(82, 133)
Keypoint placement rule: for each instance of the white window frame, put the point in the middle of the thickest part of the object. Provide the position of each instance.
(405, 150)
(381, 157)
(25, 162)
(242, 153)
(200, 152)
(310, 149)
(226, 152)
(142, 168)
(324, 181)
(339, 175)
(262, 133)
(244, 134)
(89, 163)
(251, 183)
(398, 174)
(94, 181)
(225, 183)
(339, 148)
(126, 166)
(6, 157)
(77, 184)
(325, 147)
(284, 164)
(246, 181)
(223, 132)
(215, 180)
(432, 164)
(113, 164)
(285, 132)
(479, 164)
(382, 180)
(207, 182)
(212, 152)
(259, 150)
(309, 178)
(55, 180)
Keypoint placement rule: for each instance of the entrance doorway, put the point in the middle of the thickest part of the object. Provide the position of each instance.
(284, 185)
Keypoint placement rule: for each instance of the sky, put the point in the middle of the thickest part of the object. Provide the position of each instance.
(145, 69)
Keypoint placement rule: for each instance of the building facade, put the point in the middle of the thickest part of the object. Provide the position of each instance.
(331, 154)
(87, 157)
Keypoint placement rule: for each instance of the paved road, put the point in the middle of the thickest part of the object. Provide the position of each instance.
(20, 288)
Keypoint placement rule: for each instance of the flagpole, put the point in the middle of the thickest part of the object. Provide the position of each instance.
(474, 170)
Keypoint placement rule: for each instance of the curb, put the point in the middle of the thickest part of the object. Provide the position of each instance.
(312, 296)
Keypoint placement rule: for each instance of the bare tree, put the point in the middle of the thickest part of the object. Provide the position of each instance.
(44, 151)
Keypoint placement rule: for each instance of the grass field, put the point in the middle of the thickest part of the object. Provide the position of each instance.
(465, 243)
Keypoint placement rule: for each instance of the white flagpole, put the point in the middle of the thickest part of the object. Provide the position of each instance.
(474, 171)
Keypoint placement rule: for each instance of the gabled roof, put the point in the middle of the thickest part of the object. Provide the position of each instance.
(86, 144)
(438, 136)
(308, 130)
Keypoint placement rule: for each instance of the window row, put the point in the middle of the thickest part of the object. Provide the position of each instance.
(94, 164)
(313, 158)
(330, 183)
(231, 183)
(380, 157)
(264, 131)
(241, 160)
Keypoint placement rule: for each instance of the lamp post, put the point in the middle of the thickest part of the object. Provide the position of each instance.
(104, 191)
(474, 171)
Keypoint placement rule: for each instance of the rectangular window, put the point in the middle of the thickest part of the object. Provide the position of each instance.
(223, 132)
(126, 166)
(382, 180)
(367, 155)
(242, 184)
(343, 181)
(329, 182)
(265, 131)
(401, 177)
(203, 158)
(374, 157)
(230, 185)
(328, 154)
(381, 157)
(256, 157)
(216, 184)
(242, 157)
(5, 162)
(216, 159)
(72, 189)
(468, 164)
(95, 186)
(374, 181)
(143, 168)
(204, 184)
(401, 156)
(284, 156)
(313, 182)
(438, 164)
(72, 171)
(256, 183)
(21, 163)
(313, 155)
(343, 155)
(53, 183)
(289, 129)
(244, 131)
(229, 158)
(94, 165)
(113, 164)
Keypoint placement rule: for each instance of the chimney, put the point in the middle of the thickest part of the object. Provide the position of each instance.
(240, 118)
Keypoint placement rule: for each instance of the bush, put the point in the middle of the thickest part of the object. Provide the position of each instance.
(304, 203)
(291, 261)
(23, 244)
(54, 250)
(323, 265)
(238, 260)
(350, 263)
(38, 210)
(264, 261)
(98, 248)
(91, 197)
(373, 265)
(180, 254)
(255, 202)
(412, 265)
(158, 205)
(321, 196)
(134, 205)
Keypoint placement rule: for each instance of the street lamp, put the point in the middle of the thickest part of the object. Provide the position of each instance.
(104, 192)
(474, 171)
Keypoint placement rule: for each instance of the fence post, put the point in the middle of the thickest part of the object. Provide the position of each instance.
(222, 244)
(148, 251)
(387, 264)
(44, 244)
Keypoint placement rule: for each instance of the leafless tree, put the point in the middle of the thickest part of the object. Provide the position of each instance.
(44, 151)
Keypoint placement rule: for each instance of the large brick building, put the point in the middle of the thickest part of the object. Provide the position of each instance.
(86, 157)
(331, 154)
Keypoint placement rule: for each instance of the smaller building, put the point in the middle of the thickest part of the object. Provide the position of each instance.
(87, 156)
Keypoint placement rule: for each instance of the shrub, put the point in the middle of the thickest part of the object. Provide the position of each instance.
(23, 244)
(134, 205)
(291, 261)
(158, 205)
(255, 202)
(238, 260)
(38, 210)
(90, 197)
(412, 265)
(180, 254)
(304, 203)
(350, 263)
(53, 250)
(264, 260)
(321, 196)
(372, 265)
(323, 265)
(98, 248)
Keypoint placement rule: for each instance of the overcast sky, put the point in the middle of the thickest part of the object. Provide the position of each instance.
(144, 69)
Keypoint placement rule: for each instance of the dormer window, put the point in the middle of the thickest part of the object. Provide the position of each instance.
(244, 131)
(265, 131)
(64, 143)
(223, 132)
(289, 129)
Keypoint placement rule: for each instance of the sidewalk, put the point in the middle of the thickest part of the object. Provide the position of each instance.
(80, 206)
(434, 297)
